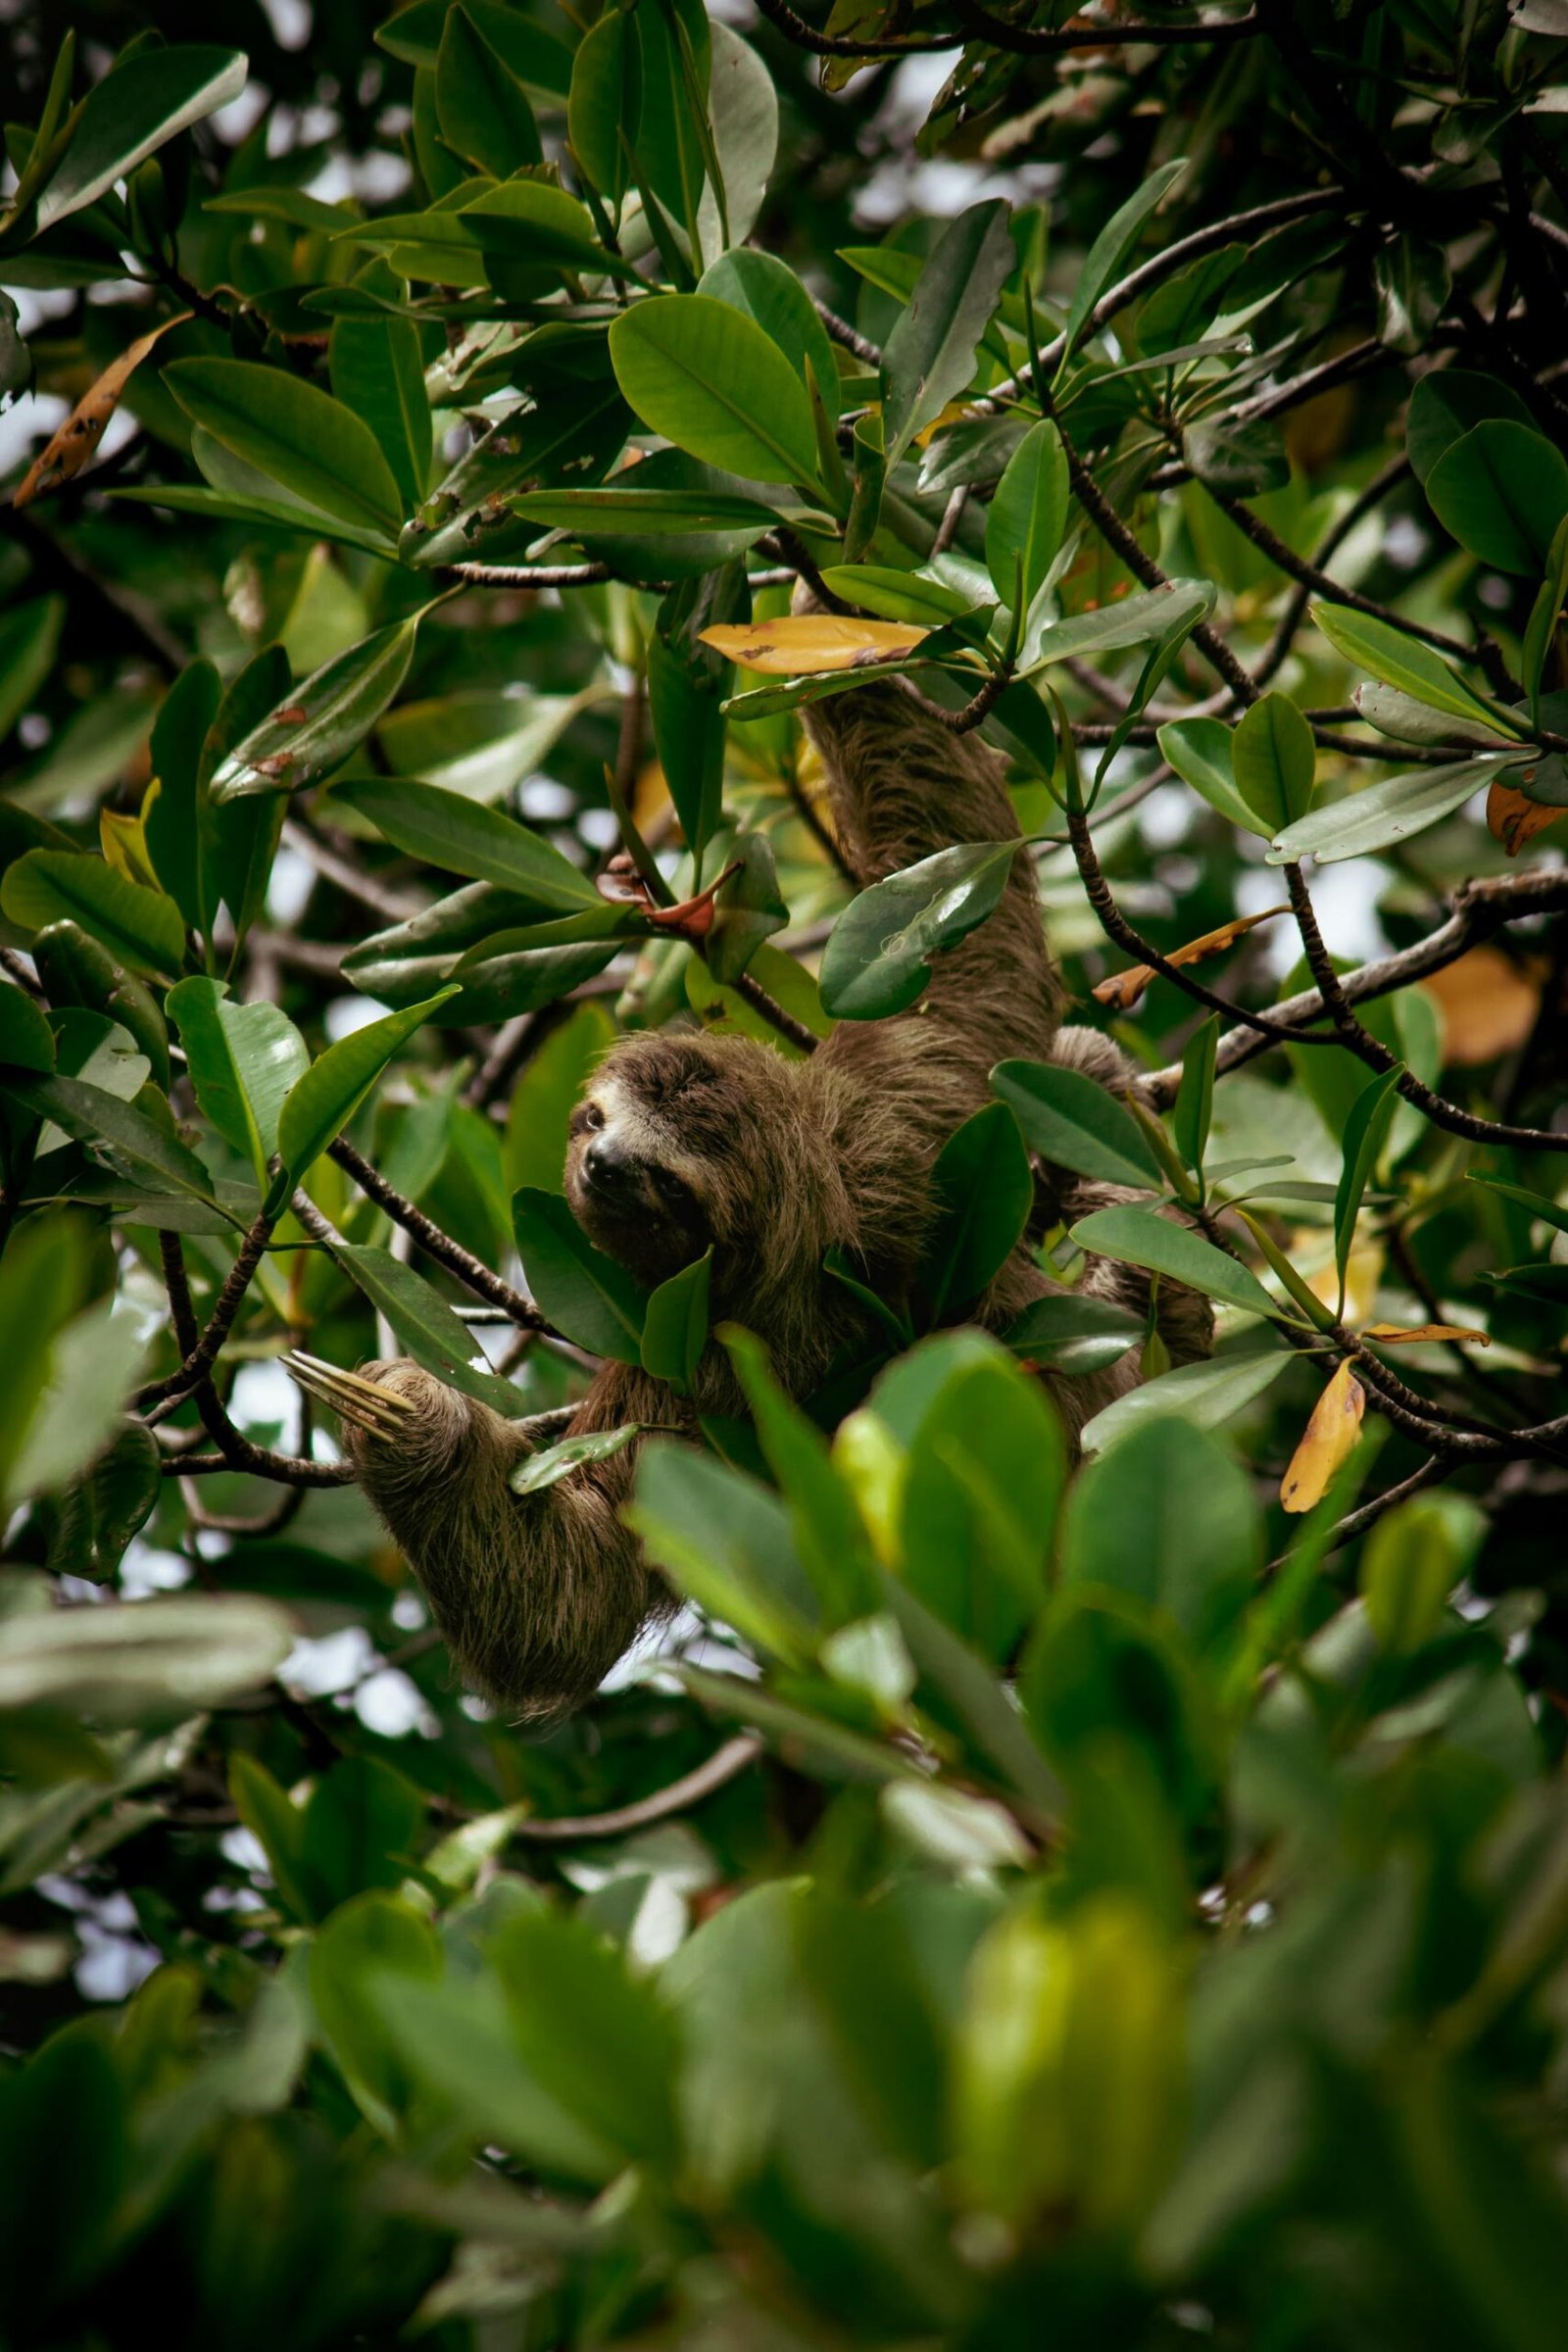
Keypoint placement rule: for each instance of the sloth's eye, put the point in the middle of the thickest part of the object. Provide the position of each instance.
(593, 1118)
(669, 1188)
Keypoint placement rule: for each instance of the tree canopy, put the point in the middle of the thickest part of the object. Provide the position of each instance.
(1007, 1905)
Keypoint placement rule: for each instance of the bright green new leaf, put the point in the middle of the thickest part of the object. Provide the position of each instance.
(1026, 518)
(1274, 760)
(243, 1059)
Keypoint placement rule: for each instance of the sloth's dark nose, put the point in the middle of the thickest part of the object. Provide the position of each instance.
(609, 1167)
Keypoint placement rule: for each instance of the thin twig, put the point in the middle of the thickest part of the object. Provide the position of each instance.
(436, 1243)
(724, 1765)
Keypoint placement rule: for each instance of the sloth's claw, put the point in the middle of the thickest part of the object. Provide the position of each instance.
(380, 1412)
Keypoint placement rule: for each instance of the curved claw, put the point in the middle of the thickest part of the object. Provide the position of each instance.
(381, 1412)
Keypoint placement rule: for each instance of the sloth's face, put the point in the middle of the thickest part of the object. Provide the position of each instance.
(635, 1186)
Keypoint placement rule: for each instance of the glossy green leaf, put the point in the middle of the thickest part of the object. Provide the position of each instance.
(1073, 1122)
(1382, 814)
(725, 1540)
(135, 109)
(320, 1105)
(425, 1324)
(1502, 489)
(482, 107)
(141, 927)
(585, 1293)
(29, 634)
(769, 292)
(243, 1059)
(877, 960)
(328, 716)
(1111, 248)
(982, 1189)
(605, 100)
(464, 837)
(1025, 519)
(1195, 1098)
(1166, 1515)
(675, 1325)
(1386, 653)
(640, 512)
(1274, 761)
(297, 434)
(1447, 404)
(1412, 282)
(714, 383)
(1206, 1396)
(377, 371)
(26, 1040)
(930, 355)
(1139, 1236)
(1073, 1335)
(552, 1463)
(1199, 749)
(168, 1657)
(1147, 615)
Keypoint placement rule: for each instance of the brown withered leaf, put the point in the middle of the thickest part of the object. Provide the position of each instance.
(1400, 1335)
(68, 450)
(1122, 991)
(1513, 819)
(803, 642)
(1328, 1439)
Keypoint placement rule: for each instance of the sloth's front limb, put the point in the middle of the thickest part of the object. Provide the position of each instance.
(536, 1595)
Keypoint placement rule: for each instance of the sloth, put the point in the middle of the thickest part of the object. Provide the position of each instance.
(690, 1141)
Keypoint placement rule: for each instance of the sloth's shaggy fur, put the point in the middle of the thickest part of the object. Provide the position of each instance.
(685, 1138)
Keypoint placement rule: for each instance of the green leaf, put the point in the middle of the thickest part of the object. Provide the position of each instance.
(1544, 614)
(1447, 402)
(983, 1188)
(1365, 1131)
(165, 1659)
(1411, 280)
(930, 355)
(141, 927)
(26, 1040)
(1383, 814)
(1166, 1515)
(297, 434)
(464, 837)
(747, 910)
(174, 822)
(1149, 614)
(585, 1293)
(378, 374)
(897, 595)
(606, 99)
(712, 382)
(1026, 518)
(482, 107)
(552, 1463)
(424, 1323)
(769, 292)
(1405, 721)
(29, 634)
(1073, 1335)
(1274, 761)
(1195, 1098)
(320, 1105)
(1501, 490)
(1412, 1561)
(1111, 248)
(92, 1115)
(675, 1325)
(830, 1536)
(341, 703)
(1139, 1236)
(101, 1509)
(139, 104)
(1199, 750)
(1205, 1395)
(877, 960)
(1550, 1212)
(638, 511)
(1386, 653)
(243, 1059)
(1073, 1121)
(725, 1540)
(598, 2040)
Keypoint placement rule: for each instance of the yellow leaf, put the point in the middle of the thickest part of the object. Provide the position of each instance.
(1514, 818)
(1363, 1274)
(951, 414)
(1122, 989)
(810, 641)
(123, 841)
(1399, 1334)
(1329, 1438)
(69, 449)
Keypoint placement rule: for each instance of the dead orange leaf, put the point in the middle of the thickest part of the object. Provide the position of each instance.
(1328, 1439)
(68, 450)
(1488, 1004)
(1514, 818)
(813, 641)
(1399, 1334)
(1122, 989)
